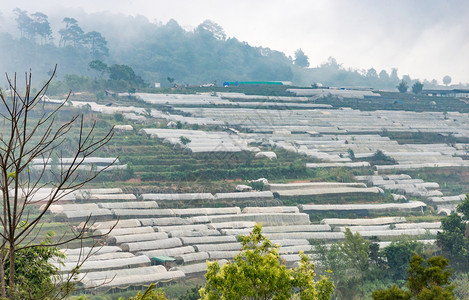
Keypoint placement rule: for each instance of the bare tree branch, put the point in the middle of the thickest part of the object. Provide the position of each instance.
(30, 133)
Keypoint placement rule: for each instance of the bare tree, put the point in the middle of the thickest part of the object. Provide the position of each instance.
(30, 131)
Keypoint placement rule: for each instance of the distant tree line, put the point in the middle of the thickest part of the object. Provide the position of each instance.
(156, 52)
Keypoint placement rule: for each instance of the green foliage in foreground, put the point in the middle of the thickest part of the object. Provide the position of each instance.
(258, 273)
(359, 267)
(453, 240)
(428, 279)
(35, 276)
(149, 294)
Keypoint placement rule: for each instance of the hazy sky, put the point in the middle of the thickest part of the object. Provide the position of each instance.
(425, 39)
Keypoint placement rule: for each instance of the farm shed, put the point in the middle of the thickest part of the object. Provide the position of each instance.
(104, 256)
(191, 227)
(223, 254)
(217, 247)
(265, 195)
(108, 275)
(143, 213)
(197, 233)
(339, 165)
(135, 280)
(290, 242)
(108, 264)
(197, 268)
(267, 219)
(271, 209)
(295, 249)
(365, 208)
(99, 191)
(236, 232)
(306, 235)
(116, 224)
(92, 251)
(267, 154)
(123, 128)
(178, 197)
(296, 228)
(172, 252)
(398, 232)
(130, 238)
(130, 205)
(152, 245)
(82, 215)
(231, 225)
(191, 258)
(207, 240)
(399, 226)
(57, 209)
(203, 211)
(107, 197)
(166, 221)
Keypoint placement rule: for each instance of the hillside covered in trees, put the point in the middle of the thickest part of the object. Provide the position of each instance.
(157, 51)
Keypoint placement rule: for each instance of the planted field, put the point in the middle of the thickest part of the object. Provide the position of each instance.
(398, 101)
(150, 161)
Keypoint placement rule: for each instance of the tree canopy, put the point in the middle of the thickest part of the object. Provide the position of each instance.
(301, 59)
(428, 279)
(155, 50)
(452, 240)
(447, 80)
(258, 273)
(402, 87)
(417, 87)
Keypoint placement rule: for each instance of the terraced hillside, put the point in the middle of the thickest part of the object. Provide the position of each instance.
(202, 169)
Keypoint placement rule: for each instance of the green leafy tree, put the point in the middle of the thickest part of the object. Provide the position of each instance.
(71, 33)
(24, 23)
(380, 158)
(184, 140)
(41, 26)
(428, 279)
(371, 73)
(356, 250)
(100, 67)
(447, 80)
(463, 208)
(301, 59)
(398, 255)
(126, 74)
(417, 87)
(452, 240)
(33, 25)
(384, 76)
(357, 265)
(171, 81)
(119, 117)
(34, 273)
(33, 132)
(402, 87)
(191, 294)
(258, 273)
(333, 259)
(393, 293)
(97, 44)
(148, 294)
(210, 28)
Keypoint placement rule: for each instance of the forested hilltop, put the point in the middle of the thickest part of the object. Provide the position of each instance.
(158, 52)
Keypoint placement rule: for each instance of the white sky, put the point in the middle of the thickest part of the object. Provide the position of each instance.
(425, 39)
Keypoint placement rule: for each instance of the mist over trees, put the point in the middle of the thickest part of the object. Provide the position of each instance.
(156, 51)
(301, 59)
